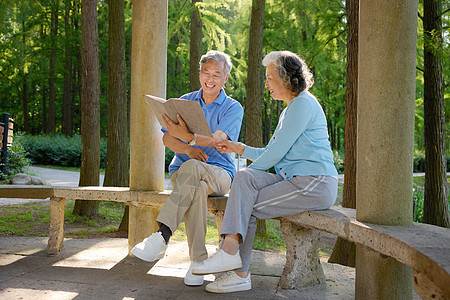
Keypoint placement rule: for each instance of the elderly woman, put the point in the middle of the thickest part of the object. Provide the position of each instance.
(306, 178)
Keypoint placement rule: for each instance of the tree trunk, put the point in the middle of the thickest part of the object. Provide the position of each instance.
(67, 126)
(344, 251)
(43, 91)
(51, 84)
(26, 126)
(253, 134)
(435, 210)
(24, 88)
(117, 167)
(330, 126)
(129, 87)
(196, 47)
(44, 107)
(90, 107)
(76, 80)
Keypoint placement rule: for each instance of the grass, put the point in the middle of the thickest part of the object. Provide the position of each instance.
(32, 219)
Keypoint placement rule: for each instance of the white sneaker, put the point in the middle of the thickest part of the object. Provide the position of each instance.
(230, 282)
(191, 279)
(219, 262)
(151, 248)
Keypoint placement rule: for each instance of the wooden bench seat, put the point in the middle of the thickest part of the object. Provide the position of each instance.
(425, 248)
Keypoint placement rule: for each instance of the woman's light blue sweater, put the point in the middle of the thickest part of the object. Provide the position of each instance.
(299, 145)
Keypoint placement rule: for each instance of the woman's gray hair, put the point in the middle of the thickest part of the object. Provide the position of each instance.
(214, 55)
(291, 69)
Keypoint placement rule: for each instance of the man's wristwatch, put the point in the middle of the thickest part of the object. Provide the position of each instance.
(194, 140)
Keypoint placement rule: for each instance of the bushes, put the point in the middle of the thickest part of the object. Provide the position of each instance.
(58, 150)
(16, 159)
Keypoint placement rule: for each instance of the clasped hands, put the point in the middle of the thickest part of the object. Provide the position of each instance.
(219, 139)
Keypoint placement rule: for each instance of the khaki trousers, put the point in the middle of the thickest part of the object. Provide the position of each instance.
(192, 183)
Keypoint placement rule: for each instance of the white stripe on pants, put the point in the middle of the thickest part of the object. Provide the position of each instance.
(192, 183)
(257, 194)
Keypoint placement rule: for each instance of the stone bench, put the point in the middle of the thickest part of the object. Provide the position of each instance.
(58, 196)
(423, 247)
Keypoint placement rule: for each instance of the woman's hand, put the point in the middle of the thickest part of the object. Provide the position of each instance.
(227, 146)
(179, 130)
(214, 141)
(197, 153)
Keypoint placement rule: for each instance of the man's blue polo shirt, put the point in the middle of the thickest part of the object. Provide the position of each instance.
(223, 114)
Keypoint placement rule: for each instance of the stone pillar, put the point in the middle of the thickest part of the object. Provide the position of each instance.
(56, 232)
(387, 61)
(148, 76)
(302, 268)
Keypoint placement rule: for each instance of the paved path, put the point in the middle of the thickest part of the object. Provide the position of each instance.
(102, 269)
(60, 177)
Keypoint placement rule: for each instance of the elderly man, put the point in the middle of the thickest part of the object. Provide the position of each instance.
(198, 169)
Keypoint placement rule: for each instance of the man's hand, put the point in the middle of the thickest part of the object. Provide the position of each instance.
(227, 146)
(214, 141)
(179, 130)
(197, 153)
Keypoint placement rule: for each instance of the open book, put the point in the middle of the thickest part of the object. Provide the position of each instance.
(190, 111)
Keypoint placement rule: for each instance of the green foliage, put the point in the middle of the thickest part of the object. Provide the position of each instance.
(58, 150)
(418, 196)
(419, 161)
(16, 159)
(275, 239)
(339, 161)
(168, 158)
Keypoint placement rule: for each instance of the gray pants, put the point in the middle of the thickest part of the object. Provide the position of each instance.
(192, 183)
(260, 195)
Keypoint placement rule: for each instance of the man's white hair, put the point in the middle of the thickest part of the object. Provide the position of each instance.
(214, 55)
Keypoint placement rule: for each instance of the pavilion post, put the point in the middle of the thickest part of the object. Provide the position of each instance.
(385, 137)
(148, 76)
